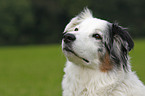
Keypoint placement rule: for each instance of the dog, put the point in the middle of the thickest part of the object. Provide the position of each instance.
(97, 59)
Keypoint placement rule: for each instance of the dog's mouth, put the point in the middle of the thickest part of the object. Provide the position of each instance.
(69, 50)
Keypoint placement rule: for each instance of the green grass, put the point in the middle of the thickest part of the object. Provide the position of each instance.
(31, 71)
(38, 70)
(138, 59)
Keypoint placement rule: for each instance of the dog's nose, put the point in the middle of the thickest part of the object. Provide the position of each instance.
(68, 38)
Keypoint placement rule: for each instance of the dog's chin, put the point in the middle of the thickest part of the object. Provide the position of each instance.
(73, 56)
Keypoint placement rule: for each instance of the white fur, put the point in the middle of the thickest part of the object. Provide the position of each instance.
(86, 79)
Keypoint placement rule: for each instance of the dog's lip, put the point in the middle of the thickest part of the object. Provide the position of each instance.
(69, 50)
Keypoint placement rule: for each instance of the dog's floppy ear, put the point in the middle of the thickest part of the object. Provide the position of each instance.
(119, 43)
(124, 35)
(71, 24)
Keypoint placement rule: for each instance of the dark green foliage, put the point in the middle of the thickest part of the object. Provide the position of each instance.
(43, 21)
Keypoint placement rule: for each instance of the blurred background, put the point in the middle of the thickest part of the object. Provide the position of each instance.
(31, 61)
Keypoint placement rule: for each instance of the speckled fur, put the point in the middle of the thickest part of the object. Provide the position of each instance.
(101, 76)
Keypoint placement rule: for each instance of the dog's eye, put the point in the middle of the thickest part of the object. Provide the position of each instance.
(97, 36)
(76, 29)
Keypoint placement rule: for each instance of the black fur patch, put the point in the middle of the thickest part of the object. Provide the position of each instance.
(117, 30)
(118, 36)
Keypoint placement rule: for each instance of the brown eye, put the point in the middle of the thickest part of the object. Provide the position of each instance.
(97, 36)
(76, 29)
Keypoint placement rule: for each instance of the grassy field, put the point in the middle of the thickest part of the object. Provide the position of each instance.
(137, 59)
(38, 70)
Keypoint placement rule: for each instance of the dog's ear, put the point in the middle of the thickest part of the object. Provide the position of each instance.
(118, 31)
(86, 13)
(119, 44)
(71, 24)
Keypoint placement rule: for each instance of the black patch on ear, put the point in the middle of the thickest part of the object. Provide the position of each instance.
(109, 41)
(118, 30)
(118, 36)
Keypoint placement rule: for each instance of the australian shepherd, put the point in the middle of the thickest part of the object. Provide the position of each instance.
(97, 59)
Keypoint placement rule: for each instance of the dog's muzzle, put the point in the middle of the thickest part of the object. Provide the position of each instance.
(68, 40)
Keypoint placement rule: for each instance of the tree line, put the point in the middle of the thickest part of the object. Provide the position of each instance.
(43, 21)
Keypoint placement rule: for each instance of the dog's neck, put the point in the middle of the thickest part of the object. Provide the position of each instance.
(82, 78)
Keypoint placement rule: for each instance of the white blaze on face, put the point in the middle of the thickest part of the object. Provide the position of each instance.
(86, 46)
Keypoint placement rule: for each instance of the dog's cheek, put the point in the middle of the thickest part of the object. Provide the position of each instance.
(106, 63)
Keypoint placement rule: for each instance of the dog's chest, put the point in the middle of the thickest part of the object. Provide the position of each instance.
(83, 87)
(84, 83)
(77, 87)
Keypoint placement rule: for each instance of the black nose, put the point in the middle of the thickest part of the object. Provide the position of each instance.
(68, 38)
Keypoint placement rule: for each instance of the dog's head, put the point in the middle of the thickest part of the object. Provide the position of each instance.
(96, 43)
